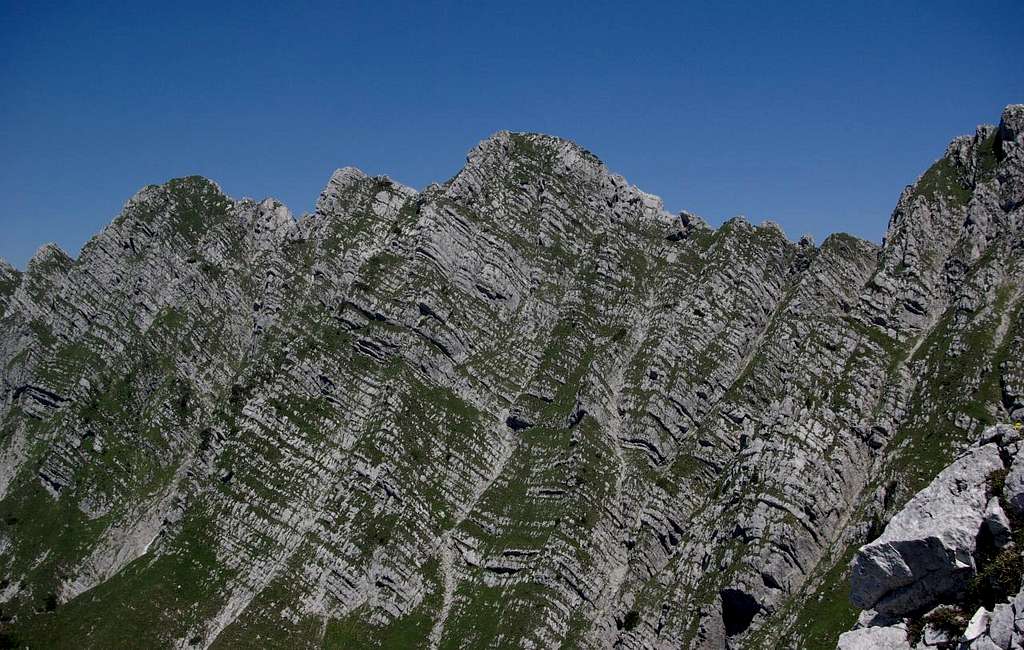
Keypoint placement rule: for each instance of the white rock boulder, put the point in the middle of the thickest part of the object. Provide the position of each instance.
(875, 638)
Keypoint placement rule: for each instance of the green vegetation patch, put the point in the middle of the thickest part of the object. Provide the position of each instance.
(149, 603)
(944, 180)
(410, 631)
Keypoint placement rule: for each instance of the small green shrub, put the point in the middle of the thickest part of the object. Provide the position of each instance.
(665, 484)
(949, 620)
(998, 579)
(996, 482)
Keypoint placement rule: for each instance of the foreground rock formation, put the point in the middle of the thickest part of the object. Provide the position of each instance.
(947, 572)
(523, 408)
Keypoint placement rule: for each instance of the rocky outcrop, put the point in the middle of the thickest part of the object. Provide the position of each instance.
(526, 407)
(951, 548)
(926, 552)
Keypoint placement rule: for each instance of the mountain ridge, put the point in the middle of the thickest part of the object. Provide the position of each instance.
(525, 407)
(349, 174)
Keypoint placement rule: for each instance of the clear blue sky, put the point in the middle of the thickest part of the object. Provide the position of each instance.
(812, 114)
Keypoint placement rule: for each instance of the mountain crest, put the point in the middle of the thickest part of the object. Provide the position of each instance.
(527, 407)
(49, 257)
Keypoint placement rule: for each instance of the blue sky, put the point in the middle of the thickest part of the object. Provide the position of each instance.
(812, 114)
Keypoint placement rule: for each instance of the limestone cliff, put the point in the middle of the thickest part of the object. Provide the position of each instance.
(524, 408)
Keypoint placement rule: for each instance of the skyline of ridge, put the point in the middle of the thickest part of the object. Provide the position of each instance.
(814, 117)
(711, 221)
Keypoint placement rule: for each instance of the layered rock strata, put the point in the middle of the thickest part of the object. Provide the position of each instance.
(527, 407)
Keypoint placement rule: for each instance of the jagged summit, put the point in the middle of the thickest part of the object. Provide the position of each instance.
(1011, 122)
(48, 255)
(347, 181)
(507, 154)
(531, 143)
(530, 157)
(342, 180)
(524, 408)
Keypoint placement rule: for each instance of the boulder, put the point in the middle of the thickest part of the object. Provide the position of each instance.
(1000, 626)
(875, 638)
(934, 637)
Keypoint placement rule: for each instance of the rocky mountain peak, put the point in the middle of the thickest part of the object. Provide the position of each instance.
(350, 187)
(1011, 123)
(1010, 152)
(10, 278)
(342, 182)
(525, 171)
(956, 211)
(182, 211)
(508, 147)
(49, 259)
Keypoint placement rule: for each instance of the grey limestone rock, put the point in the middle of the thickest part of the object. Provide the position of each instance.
(875, 638)
(1013, 491)
(997, 523)
(524, 407)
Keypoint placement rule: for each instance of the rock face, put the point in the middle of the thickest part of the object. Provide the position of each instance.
(523, 408)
